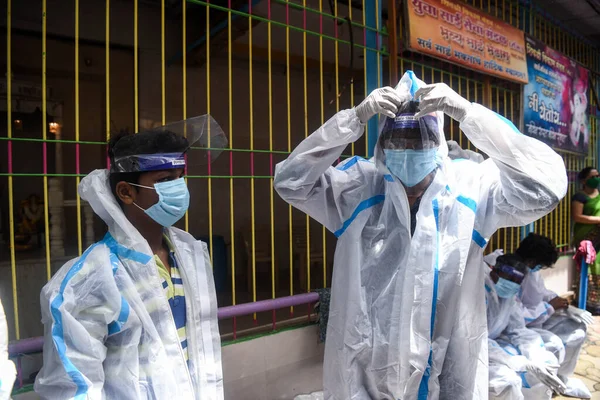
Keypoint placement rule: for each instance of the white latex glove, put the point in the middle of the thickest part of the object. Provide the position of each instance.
(491, 258)
(580, 315)
(381, 101)
(546, 373)
(440, 97)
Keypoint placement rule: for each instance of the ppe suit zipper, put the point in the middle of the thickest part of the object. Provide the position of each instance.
(174, 326)
(191, 323)
(410, 217)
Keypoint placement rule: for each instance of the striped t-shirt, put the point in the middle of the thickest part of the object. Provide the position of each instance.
(173, 287)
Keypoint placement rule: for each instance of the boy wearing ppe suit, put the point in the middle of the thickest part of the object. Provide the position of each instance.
(407, 316)
(135, 317)
(7, 367)
(563, 327)
(520, 366)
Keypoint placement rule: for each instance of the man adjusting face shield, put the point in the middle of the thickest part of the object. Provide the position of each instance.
(135, 317)
(407, 294)
(410, 146)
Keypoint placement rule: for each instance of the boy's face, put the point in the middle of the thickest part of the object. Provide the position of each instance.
(143, 197)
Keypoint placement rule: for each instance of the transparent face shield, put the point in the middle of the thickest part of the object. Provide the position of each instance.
(202, 139)
(410, 144)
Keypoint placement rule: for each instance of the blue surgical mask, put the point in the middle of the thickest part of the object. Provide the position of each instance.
(173, 202)
(507, 289)
(411, 166)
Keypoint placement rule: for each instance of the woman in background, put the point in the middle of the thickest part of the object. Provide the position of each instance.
(585, 208)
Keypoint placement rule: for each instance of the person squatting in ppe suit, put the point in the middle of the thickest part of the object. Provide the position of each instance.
(561, 326)
(407, 317)
(520, 366)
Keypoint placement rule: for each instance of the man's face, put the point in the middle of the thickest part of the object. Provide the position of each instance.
(145, 197)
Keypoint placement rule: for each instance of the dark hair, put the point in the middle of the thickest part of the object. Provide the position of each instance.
(125, 144)
(583, 174)
(538, 249)
(514, 260)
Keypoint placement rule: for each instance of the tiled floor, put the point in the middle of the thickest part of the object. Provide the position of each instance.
(588, 367)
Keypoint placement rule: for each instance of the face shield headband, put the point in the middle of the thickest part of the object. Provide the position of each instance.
(513, 274)
(407, 132)
(149, 162)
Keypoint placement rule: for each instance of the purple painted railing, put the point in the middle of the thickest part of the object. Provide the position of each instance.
(35, 345)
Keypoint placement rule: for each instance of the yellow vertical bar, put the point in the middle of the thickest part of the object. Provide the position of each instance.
(271, 190)
(45, 137)
(289, 149)
(162, 62)
(512, 116)
(505, 115)
(252, 215)
(337, 62)
(352, 69)
(9, 122)
(209, 179)
(323, 108)
(308, 261)
(569, 165)
(184, 85)
(377, 46)
(322, 96)
(136, 103)
(460, 139)
(107, 68)
(231, 196)
(77, 131)
(366, 135)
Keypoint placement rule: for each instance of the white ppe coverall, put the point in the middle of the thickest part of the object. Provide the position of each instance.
(407, 316)
(109, 331)
(7, 367)
(563, 335)
(512, 345)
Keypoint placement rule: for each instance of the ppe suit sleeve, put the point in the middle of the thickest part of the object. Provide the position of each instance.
(307, 180)
(547, 294)
(524, 179)
(528, 342)
(78, 305)
(498, 355)
(538, 314)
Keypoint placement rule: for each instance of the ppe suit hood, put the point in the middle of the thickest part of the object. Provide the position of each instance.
(407, 87)
(95, 189)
